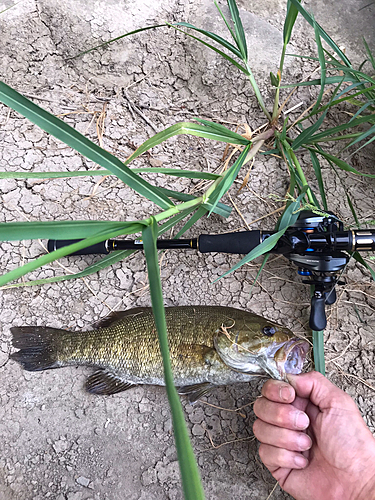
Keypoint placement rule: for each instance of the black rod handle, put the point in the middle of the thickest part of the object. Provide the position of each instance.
(107, 246)
(101, 247)
(242, 242)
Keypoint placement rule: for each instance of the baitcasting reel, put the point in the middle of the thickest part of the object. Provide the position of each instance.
(315, 243)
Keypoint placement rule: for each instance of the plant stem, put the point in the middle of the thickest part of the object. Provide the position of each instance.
(302, 176)
(275, 113)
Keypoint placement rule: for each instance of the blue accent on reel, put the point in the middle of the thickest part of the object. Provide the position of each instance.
(309, 250)
(304, 272)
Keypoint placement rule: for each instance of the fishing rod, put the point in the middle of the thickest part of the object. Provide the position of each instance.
(315, 243)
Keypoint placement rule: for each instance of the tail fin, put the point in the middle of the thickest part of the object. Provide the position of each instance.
(37, 347)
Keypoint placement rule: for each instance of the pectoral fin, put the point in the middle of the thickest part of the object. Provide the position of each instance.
(195, 391)
(103, 382)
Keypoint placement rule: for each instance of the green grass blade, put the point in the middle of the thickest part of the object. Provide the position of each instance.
(355, 73)
(219, 128)
(10, 7)
(329, 80)
(228, 178)
(318, 350)
(238, 27)
(352, 209)
(57, 230)
(341, 163)
(363, 136)
(103, 263)
(341, 128)
(174, 220)
(261, 249)
(218, 51)
(104, 44)
(177, 172)
(323, 68)
(224, 43)
(363, 146)
(226, 22)
(220, 208)
(322, 33)
(106, 261)
(369, 53)
(67, 134)
(304, 136)
(290, 19)
(62, 252)
(265, 258)
(193, 219)
(208, 132)
(318, 174)
(191, 482)
(362, 109)
(288, 218)
(358, 257)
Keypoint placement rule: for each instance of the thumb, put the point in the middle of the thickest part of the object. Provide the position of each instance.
(319, 390)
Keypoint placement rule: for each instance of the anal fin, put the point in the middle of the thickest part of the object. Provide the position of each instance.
(195, 391)
(104, 382)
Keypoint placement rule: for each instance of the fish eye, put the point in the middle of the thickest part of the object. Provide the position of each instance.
(269, 331)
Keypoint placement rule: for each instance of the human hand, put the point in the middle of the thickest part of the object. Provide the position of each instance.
(314, 440)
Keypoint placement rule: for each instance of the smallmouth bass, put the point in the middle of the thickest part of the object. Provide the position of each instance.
(209, 346)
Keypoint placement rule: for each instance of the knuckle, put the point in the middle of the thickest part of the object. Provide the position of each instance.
(279, 416)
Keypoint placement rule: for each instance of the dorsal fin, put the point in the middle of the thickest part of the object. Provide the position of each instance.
(115, 316)
(104, 382)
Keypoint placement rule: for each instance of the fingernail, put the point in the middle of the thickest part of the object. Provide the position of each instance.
(301, 420)
(285, 392)
(300, 461)
(304, 442)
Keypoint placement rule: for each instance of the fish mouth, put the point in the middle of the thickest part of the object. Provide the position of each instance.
(291, 356)
(277, 359)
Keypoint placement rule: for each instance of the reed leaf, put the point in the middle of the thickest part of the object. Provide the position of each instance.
(323, 68)
(288, 218)
(290, 19)
(57, 230)
(369, 54)
(318, 174)
(205, 131)
(220, 40)
(103, 263)
(220, 208)
(341, 163)
(193, 219)
(322, 33)
(218, 51)
(228, 179)
(238, 27)
(191, 482)
(318, 350)
(176, 172)
(104, 44)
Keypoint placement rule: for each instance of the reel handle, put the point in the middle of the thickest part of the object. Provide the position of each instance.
(318, 320)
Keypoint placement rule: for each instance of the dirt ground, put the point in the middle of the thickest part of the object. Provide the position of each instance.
(57, 441)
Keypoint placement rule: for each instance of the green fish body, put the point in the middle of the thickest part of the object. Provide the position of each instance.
(209, 345)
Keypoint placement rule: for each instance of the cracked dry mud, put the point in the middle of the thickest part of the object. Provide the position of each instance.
(57, 441)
